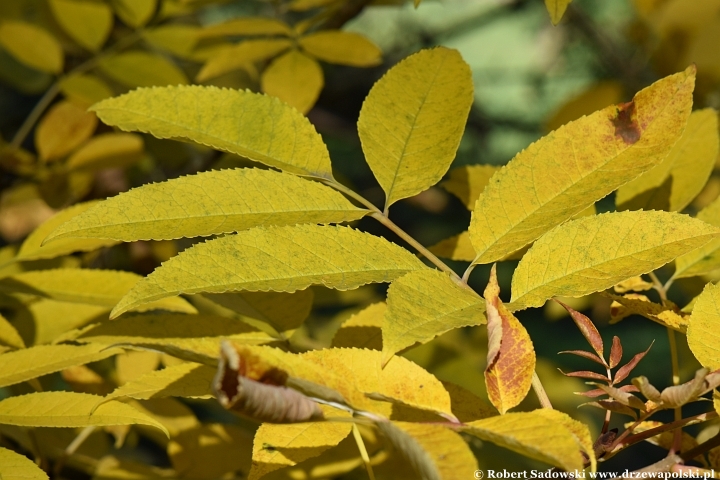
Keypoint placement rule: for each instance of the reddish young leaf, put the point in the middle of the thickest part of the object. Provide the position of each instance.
(511, 357)
(588, 355)
(625, 370)
(616, 352)
(587, 328)
(592, 393)
(586, 374)
(263, 397)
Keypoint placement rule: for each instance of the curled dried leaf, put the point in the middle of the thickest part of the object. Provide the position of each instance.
(264, 398)
(633, 284)
(624, 397)
(679, 395)
(616, 352)
(625, 370)
(647, 389)
(587, 328)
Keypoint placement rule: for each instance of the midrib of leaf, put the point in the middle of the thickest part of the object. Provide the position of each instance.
(409, 135)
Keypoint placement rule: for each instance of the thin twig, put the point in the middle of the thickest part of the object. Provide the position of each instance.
(363, 451)
(540, 391)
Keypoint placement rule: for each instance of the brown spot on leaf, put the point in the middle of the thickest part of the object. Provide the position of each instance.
(626, 126)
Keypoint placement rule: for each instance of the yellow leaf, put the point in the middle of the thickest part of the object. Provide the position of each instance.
(142, 69)
(705, 259)
(424, 304)
(183, 380)
(247, 27)
(22, 365)
(457, 247)
(178, 39)
(112, 468)
(88, 23)
(400, 380)
(65, 127)
(14, 466)
(634, 304)
(201, 333)
(68, 409)
(210, 451)
(580, 431)
(208, 203)
(556, 9)
(240, 55)
(257, 127)
(595, 97)
(591, 254)
(281, 311)
(703, 335)
(172, 414)
(569, 169)
(362, 330)
(135, 13)
(32, 46)
(342, 48)
(410, 148)
(283, 259)
(277, 446)
(294, 78)
(532, 434)
(510, 357)
(468, 182)
(9, 336)
(32, 248)
(51, 319)
(108, 150)
(84, 89)
(685, 170)
(94, 287)
(133, 364)
(446, 452)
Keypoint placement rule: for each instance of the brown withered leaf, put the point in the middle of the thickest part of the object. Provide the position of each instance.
(587, 328)
(679, 395)
(622, 396)
(584, 354)
(247, 385)
(586, 374)
(598, 392)
(667, 314)
(613, 406)
(511, 356)
(647, 389)
(625, 370)
(616, 352)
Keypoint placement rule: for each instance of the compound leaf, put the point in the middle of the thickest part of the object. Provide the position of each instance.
(69, 409)
(424, 304)
(211, 203)
(412, 120)
(27, 363)
(255, 126)
(294, 78)
(703, 335)
(33, 249)
(342, 48)
(566, 171)
(14, 466)
(282, 259)
(594, 253)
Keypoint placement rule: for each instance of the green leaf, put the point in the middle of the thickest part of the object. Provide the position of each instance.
(294, 78)
(556, 9)
(69, 409)
(135, 13)
(413, 119)
(178, 39)
(703, 335)
(705, 259)
(94, 287)
(32, 46)
(32, 248)
(254, 126)
(685, 170)
(14, 466)
(532, 434)
(424, 304)
(241, 55)
(468, 182)
(84, 89)
(9, 336)
(247, 27)
(342, 48)
(211, 203)
(142, 69)
(88, 23)
(571, 168)
(22, 365)
(62, 129)
(594, 253)
(183, 380)
(107, 150)
(283, 259)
